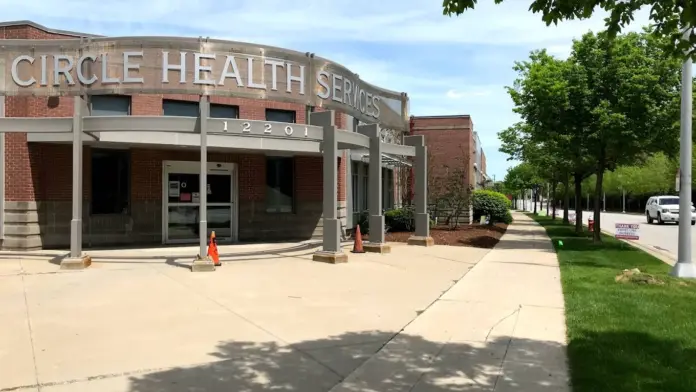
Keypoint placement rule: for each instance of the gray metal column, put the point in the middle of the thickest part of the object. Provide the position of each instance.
(204, 106)
(685, 267)
(374, 197)
(420, 165)
(331, 251)
(79, 109)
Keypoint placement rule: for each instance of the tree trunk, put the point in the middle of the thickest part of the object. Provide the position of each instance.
(578, 196)
(535, 196)
(553, 200)
(566, 200)
(597, 233)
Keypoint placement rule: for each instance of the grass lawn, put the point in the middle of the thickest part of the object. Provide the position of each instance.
(624, 336)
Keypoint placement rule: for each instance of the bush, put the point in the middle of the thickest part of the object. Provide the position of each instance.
(364, 222)
(492, 204)
(400, 219)
(508, 218)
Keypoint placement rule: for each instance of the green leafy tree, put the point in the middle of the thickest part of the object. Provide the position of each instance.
(630, 88)
(667, 16)
(548, 94)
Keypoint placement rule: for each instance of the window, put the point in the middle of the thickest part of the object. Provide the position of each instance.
(172, 107)
(110, 181)
(110, 105)
(224, 111)
(286, 116)
(280, 184)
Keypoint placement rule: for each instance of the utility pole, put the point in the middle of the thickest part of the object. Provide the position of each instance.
(685, 268)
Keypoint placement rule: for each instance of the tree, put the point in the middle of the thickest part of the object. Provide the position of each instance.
(631, 91)
(668, 17)
(548, 95)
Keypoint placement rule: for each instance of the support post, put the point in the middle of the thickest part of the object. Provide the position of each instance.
(76, 259)
(422, 235)
(685, 267)
(604, 202)
(374, 201)
(203, 262)
(331, 251)
(623, 200)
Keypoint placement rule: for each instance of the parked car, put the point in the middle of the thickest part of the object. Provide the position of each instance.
(665, 209)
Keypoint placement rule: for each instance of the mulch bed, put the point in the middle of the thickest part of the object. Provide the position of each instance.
(475, 236)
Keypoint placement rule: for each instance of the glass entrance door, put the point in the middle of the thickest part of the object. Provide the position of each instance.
(181, 212)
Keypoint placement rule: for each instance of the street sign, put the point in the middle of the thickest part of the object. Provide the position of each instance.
(626, 231)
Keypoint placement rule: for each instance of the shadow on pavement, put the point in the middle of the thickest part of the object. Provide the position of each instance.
(407, 363)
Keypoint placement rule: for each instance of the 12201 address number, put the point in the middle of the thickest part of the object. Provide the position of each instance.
(267, 129)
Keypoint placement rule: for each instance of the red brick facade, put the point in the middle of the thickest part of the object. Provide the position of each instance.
(450, 144)
(41, 172)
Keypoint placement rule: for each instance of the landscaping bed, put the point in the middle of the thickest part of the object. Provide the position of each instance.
(631, 326)
(476, 235)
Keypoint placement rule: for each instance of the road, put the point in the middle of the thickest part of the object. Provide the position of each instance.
(663, 238)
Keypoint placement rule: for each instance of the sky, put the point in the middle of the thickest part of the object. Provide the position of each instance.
(447, 65)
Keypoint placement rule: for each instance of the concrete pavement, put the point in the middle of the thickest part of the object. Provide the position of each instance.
(418, 319)
(500, 328)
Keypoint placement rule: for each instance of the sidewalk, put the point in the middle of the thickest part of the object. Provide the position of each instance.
(500, 328)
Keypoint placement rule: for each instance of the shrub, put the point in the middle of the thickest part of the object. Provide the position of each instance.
(364, 222)
(508, 217)
(492, 204)
(400, 219)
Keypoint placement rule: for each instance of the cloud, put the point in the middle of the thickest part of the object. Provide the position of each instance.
(457, 65)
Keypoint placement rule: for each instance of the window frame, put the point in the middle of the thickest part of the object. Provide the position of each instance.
(126, 156)
(284, 111)
(128, 98)
(275, 208)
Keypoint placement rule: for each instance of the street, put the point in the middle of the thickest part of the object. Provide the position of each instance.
(659, 237)
(663, 238)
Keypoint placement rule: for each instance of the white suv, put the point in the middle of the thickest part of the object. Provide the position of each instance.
(665, 209)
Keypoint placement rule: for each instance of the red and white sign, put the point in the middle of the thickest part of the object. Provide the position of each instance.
(626, 231)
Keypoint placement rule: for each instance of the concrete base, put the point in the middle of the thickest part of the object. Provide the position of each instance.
(202, 265)
(421, 241)
(374, 247)
(684, 270)
(75, 263)
(330, 257)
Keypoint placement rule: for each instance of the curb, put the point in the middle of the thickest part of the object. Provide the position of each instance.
(664, 256)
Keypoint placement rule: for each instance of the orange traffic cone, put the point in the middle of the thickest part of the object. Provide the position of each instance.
(357, 244)
(213, 250)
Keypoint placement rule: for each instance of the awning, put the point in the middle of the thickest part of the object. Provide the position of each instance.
(387, 159)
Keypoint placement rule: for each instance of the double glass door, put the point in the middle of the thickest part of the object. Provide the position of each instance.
(182, 202)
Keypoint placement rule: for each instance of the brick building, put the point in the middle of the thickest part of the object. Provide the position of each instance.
(142, 191)
(452, 145)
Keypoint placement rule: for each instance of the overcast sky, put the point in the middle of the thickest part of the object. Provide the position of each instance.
(447, 65)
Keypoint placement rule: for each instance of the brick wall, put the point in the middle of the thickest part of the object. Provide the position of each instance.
(451, 146)
(448, 140)
(42, 172)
